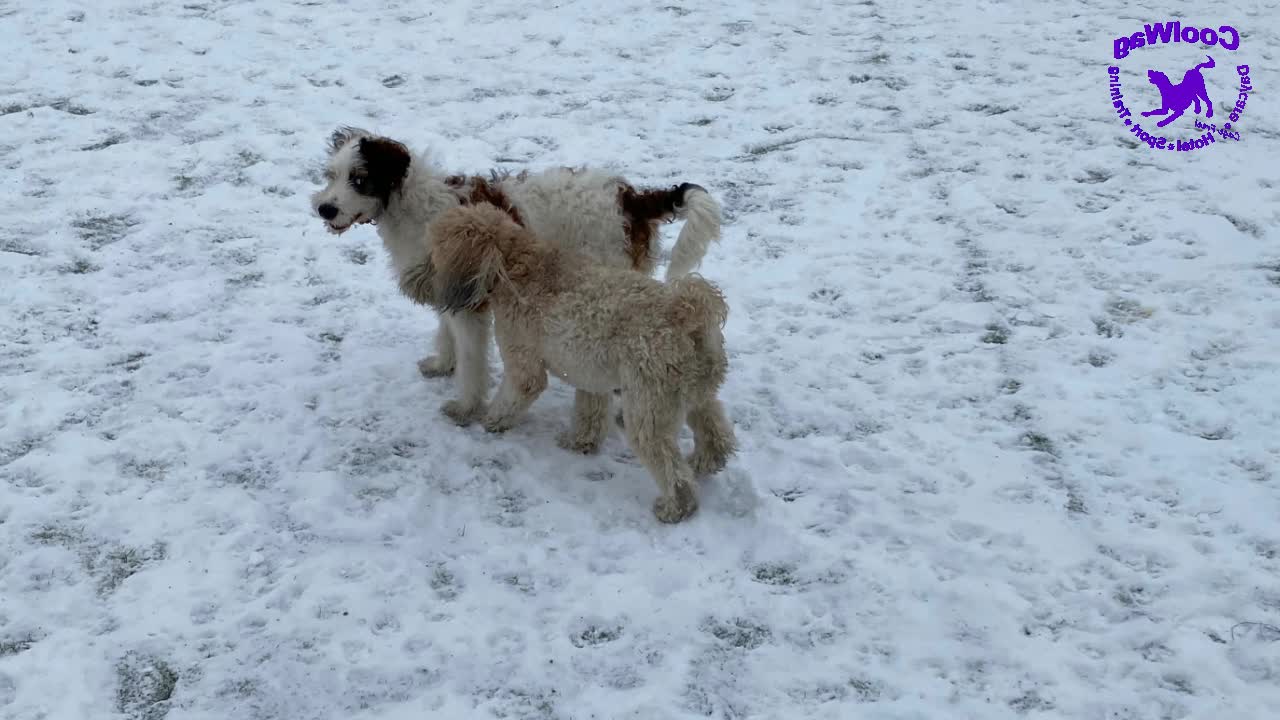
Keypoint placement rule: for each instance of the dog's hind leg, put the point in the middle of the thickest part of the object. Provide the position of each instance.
(442, 363)
(471, 339)
(652, 421)
(1208, 104)
(590, 423)
(713, 439)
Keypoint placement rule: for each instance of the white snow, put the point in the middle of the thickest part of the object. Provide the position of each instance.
(1005, 383)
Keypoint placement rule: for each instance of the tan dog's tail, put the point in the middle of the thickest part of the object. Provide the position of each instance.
(702, 310)
(469, 248)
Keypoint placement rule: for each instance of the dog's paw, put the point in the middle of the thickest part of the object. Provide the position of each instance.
(575, 443)
(435, 366)
(498, 423)
(461, 413)
(673, 509)
(707, 463)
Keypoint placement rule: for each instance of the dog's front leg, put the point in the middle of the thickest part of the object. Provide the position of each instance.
(1176, 114)
(589, 425)
(442, 363)
(524, 375)
(470, 332)
(522, 383)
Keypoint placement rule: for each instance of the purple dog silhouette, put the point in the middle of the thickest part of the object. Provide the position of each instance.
(1177, 98)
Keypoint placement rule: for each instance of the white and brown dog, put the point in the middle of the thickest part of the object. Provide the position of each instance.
(599, 216)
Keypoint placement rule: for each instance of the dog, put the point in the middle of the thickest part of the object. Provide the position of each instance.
(597, 328)
(604, 218)
(1177, 98)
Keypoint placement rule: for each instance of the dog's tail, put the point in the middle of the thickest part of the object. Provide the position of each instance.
(701, 310)
(702, 217)
(470, 246)
(1206, 65)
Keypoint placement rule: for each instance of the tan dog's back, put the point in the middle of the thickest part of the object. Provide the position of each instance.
(605, 320)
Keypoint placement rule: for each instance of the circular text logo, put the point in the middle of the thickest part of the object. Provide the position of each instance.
(1183, 102)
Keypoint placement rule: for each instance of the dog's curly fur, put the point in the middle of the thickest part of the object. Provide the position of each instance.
(600, 216)
(597, 328)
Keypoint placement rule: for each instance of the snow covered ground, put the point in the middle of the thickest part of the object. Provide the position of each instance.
(1005, 382)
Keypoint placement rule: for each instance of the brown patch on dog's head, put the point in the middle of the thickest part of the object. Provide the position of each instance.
(642, 210)
(473, 190)
(384, 164)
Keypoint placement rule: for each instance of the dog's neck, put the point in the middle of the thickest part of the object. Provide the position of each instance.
(418, 201)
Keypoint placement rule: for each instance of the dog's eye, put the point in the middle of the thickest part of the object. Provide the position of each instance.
(357, 182)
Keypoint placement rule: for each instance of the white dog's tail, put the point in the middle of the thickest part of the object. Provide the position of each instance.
(701, 215)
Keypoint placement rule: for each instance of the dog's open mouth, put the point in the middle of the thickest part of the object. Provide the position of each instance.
(337, 229)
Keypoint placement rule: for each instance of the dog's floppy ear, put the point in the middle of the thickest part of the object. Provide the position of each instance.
(467, 257)
(386, 162)
(457, 293)
(417, 282)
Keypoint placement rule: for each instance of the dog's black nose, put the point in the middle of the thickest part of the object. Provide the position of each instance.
(327, 211)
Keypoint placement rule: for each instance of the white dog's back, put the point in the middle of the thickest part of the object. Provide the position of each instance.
(577, 208)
